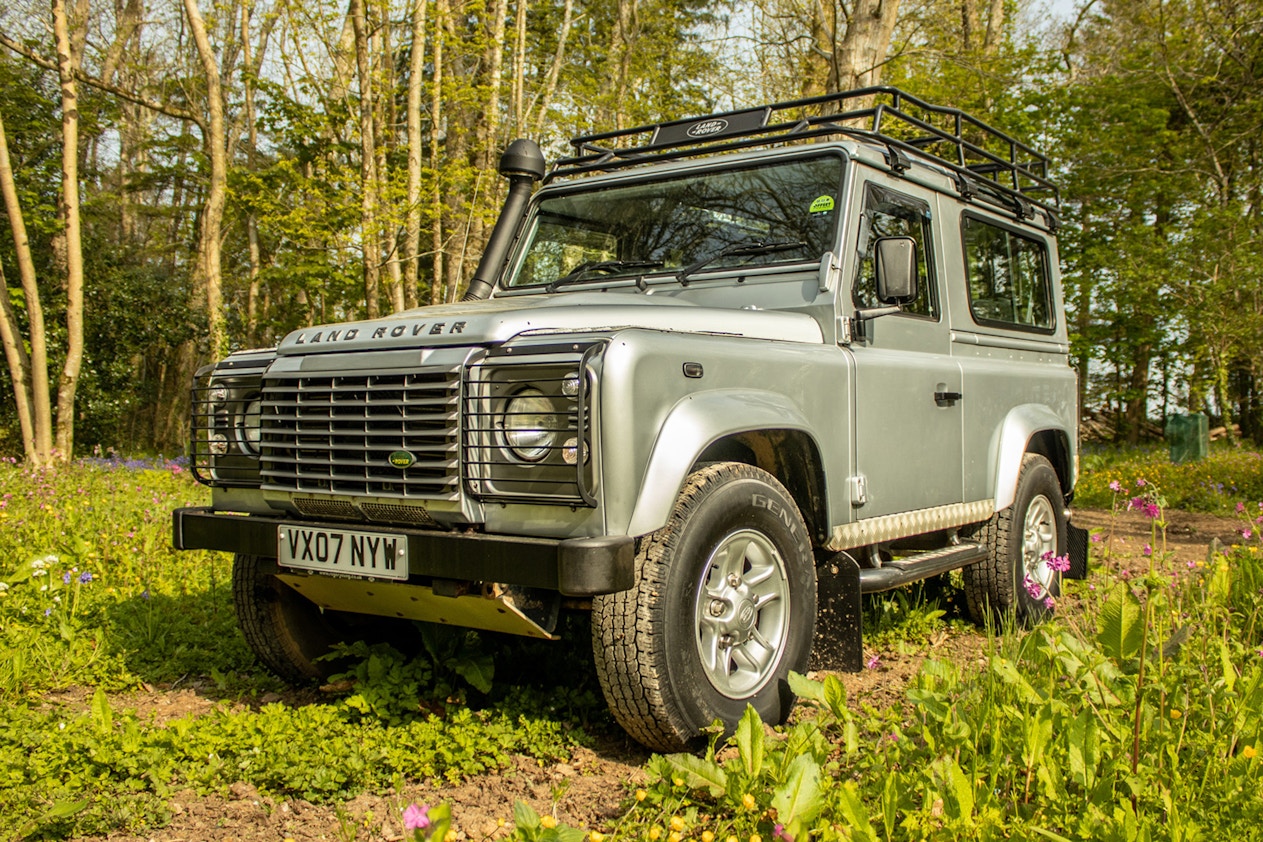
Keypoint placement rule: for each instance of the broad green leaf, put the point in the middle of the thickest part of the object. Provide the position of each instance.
(804, 688)
(102, 716)
(1230, 672)
(1120, 626)
(478, 671)
(798, 797)
(699, 772)
(855, 814)
(1083, 744)
(1220, 589)
(1007, 672)
(524, 817)
(750, 741)
(1036, 734)
(958, 790)
(890, 803)
(835, 696)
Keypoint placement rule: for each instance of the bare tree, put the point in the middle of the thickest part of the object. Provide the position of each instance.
(412, 239)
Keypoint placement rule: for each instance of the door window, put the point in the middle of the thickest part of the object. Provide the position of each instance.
(891, 214)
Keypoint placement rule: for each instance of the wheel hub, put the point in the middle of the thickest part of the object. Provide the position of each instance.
(1039, 538)
(742, 614)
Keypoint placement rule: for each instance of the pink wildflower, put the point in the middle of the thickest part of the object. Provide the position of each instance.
(1140, 483)
(1050, 603)
(1152, 511)
(416, 817)
(1240, 508)
(1035, 589)
(1060, 563)
(1096, 538)
(1116, 486)
(873, 663)
(1246, 534)
(1148, 550)
(1136, 503)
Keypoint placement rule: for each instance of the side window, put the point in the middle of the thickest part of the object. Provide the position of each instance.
(890, 214)
(1008, 277)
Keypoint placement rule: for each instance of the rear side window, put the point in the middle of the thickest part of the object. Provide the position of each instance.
(1008, 277)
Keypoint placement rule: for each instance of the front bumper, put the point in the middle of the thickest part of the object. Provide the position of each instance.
(576, 567)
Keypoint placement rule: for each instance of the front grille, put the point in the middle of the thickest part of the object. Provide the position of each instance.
(337, 434)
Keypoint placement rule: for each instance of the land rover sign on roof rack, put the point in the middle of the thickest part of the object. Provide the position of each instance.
(710, 128)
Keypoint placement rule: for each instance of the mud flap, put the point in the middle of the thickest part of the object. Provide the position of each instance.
(839, 643)
(1078, 540)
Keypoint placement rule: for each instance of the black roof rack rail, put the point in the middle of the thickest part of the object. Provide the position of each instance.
(985, 163)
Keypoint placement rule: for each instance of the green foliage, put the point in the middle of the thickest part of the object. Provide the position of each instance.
(1217, 484)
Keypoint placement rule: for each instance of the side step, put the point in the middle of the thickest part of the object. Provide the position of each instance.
(892, 574)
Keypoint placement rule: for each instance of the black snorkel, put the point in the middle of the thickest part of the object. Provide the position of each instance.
(522, 164)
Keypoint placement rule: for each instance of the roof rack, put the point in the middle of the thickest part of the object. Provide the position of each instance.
(986, 163)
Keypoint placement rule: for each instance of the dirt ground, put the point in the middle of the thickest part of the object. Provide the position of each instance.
(590, 789)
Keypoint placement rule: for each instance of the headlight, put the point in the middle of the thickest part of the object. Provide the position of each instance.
(250, 425)
(533, 424)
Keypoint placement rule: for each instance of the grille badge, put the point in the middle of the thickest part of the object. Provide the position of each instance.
(401, 459)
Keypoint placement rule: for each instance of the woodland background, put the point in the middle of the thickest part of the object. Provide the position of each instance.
(183, 178)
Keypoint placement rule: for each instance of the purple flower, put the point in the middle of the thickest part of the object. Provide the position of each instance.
(778, 832)
(1240, 508)
(1152, 511)
(1116, 486)
(1060, 563)
(47, 611)
(85, 577)
(65, 578)
(416, 817)
(1050, 603)
(1035, 589)
(1140, 483)
(873, 663)
(1148, 550)
(1136, 503)
(1096, 538)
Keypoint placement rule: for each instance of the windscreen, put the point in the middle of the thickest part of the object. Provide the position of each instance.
(666, 225)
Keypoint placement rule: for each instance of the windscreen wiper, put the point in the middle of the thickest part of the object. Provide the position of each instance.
(736, 250)
(600, 267)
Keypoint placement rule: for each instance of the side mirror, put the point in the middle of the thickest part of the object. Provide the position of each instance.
(896, 266)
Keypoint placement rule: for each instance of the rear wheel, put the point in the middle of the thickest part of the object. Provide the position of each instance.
(1016, 575)
(722, 610)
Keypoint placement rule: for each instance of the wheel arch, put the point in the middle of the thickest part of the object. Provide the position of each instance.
(1032, 428)
(756, 428)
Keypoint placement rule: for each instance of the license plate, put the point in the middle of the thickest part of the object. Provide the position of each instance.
(345, 551)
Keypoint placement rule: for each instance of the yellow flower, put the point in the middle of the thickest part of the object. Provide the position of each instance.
(754, 837)
(596, 836)
(677, 823)
(641, 795)
(1176, 713)
(707, 836)
(450, 836)
(548, 822)
(747, 801)
(675, 836)
(678, 781)
(1249, 752)
(654, 833)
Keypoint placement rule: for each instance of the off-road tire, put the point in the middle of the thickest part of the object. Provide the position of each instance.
(286, 631)
(994, 587)
(648, 641)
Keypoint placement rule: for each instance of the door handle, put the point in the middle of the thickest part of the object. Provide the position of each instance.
(946, 398)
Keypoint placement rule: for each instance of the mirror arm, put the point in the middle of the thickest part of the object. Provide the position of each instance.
(866, 313)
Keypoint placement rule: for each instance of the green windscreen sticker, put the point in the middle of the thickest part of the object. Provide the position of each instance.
(822, 204)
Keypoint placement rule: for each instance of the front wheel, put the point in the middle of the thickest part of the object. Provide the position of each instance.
(723, 609)
(1016, 575)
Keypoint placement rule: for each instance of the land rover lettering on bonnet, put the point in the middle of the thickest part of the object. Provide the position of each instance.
(713, 380)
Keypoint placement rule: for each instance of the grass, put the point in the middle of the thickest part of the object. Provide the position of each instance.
(1136, 716)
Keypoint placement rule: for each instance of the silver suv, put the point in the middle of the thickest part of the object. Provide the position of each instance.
(713, 381)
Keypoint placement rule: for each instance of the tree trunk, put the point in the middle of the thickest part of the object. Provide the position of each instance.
(369, 234)
(68, 61)
(862, 50)
(554, 70)
(412, 227)
(30, 390)
(207, 274)
(436, 134)
(252, 148)
(519, 69)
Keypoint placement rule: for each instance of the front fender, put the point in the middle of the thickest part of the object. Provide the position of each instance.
(1015, 433)
(692, 425)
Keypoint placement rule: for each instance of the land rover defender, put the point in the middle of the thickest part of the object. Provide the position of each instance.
(711, 382)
